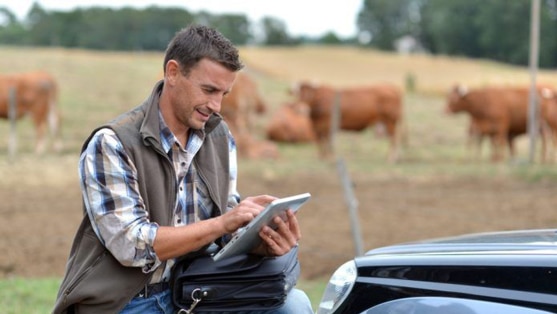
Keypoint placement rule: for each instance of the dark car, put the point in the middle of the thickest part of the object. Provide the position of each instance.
(489, 273)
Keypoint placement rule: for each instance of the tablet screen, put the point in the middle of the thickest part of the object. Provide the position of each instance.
(247, 239)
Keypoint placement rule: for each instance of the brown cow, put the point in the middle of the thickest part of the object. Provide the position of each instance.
(501, 113)
(242, 103)
(360, 107)
(238, 109)
(36, 95)
(250, 147)
(291, 124)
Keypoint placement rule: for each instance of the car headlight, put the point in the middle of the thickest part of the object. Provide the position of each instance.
(338, 288)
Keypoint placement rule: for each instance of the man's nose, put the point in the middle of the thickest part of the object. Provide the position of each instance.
(215, 103)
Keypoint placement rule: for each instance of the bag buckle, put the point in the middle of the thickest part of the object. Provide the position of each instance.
(196, 295)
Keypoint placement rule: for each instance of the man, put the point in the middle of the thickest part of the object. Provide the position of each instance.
(159, 182)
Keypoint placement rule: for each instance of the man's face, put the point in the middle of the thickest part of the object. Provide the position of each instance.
(198, 95)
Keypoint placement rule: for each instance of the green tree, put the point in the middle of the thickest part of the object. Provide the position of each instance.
(44, 28)
(274, 32)
(122, 29)
(156, 26)
(235, 27)
(387, 20)
(495, 29)
(330, 38)
(451, 27)
(7, 17)
(548, 34)
(505, 30)
(11, 30)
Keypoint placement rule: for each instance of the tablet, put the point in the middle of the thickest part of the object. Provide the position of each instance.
(248, 238)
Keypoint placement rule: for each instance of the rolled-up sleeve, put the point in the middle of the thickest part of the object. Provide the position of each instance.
(111, 195)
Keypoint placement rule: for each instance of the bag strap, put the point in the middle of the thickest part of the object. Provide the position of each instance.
(205, 250)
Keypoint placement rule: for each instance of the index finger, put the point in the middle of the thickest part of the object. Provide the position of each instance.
(263, 199)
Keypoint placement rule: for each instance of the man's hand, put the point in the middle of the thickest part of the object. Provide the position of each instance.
(281, 240)
(244, 212)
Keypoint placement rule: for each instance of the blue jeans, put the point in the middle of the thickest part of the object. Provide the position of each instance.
(160, 303)
(297, 302)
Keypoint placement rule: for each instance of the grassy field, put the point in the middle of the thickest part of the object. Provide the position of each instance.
(95, 86)
(35, 296)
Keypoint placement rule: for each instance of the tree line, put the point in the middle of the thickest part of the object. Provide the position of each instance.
(128, 28)
(494, 29)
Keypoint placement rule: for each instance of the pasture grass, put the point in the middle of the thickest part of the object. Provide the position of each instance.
(96, 86)
(348, 66)
(36, 296)
(30, 296)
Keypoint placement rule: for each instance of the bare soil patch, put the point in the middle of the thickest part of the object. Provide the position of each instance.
(40, 218)
(435, 192)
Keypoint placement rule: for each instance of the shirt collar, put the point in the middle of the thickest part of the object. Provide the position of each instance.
(168, 139)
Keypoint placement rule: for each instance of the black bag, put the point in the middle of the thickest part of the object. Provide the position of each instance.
(245, 282)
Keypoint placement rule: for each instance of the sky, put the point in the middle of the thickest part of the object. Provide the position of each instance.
(302, 17)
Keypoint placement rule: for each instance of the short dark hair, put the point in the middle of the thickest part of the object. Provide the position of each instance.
(196, 42)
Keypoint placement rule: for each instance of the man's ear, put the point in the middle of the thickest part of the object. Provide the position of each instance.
(172, 71)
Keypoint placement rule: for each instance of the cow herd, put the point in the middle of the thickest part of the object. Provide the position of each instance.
(316, 111)
(309, 116)
(499, 113)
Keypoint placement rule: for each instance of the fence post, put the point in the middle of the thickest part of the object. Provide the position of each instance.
(335, 121)
(352, 203)
(12, 116)
(533, 106)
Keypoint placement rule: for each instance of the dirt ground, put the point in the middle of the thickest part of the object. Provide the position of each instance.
(40, 200)
(38, 222)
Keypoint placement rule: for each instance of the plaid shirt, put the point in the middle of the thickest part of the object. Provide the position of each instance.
(115, 207)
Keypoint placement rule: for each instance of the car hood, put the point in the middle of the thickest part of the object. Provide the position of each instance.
(542, 241)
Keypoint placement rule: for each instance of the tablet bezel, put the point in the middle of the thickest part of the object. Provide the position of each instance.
(248, 239)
